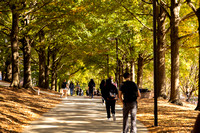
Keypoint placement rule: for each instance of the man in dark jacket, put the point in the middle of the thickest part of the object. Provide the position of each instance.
(197, 125)
(111, 93)
(102, 87)
(130, 92)
(91, 86)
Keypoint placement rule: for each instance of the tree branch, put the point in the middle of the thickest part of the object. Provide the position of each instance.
(5, 33)
(191, 5)
(36, 9)
(5, 26)
(134, 15)
(191, 14)
(161, 5)
(182, 37)
(147, 2)
(76, 71)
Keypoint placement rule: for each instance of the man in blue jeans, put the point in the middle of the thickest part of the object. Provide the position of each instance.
(130, 92)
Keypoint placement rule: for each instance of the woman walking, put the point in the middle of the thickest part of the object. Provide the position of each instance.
(111, 93)
(64, 88)
(91, 86)
(71, 86)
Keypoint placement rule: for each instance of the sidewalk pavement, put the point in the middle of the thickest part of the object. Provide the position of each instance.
(79, 115)
(4, 83)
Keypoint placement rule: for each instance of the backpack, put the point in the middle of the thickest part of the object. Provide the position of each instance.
(63, 85)
(111, 92)
(112, 95)
(130, 91)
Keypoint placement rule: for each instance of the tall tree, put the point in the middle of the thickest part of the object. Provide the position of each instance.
(161, 49)
(27, 63)
(15, 45)
(174, 23)
(197, 13)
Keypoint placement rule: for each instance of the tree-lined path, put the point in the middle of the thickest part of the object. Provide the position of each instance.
(79, 115)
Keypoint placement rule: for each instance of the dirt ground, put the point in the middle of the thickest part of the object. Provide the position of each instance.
(18, 107)
(171, 118)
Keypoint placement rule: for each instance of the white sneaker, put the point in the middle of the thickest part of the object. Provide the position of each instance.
(114, 118)
(109, 119)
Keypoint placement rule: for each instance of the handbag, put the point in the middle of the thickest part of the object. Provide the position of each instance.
(112, 95)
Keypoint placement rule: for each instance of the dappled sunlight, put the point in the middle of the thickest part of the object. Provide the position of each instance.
(46, 126)
(18, 107)
(171, 118)
(78, 116)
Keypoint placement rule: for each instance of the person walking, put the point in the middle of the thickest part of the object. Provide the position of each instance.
(111, 93)
(77, 89)
(91, 86)
(130, 92)
(197, 125)
(102, 87)
(71, 87)
(64, 89)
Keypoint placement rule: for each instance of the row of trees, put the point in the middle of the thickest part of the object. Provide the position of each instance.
(45, 40)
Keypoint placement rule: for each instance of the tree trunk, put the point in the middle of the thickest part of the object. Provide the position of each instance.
(53, 80)
(174, 22)
(132, 71)
(197, 12)
(27, 63)
(53, 72)
(161, 83)
(127, 69)
(3, 71)
(47, 70)
(117, 63)
(120, 74)
(15, 47)
(140, 71)
(198, 104)
(189, 96)
(56, 82)
(8, 70)
(107, 55)
(42, 65)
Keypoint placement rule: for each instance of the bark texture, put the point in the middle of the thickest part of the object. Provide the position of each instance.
(42, 65)
(140, 71)
(27, 63)
(161, 83)
(174, 23)
(15, 47)
(53, 72)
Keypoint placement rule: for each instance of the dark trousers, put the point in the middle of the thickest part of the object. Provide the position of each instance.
(103, 100)
(110, 104)
(132, 109)
(91, 93)
(71, 91)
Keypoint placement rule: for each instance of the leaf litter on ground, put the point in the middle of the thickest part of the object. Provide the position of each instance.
(18, 107)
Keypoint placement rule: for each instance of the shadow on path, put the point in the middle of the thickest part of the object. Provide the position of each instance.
(79, 115)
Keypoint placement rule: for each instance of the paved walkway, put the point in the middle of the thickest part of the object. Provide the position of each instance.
(3, 83)
(79, 115)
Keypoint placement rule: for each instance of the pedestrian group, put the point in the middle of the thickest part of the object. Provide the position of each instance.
(127, 94)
